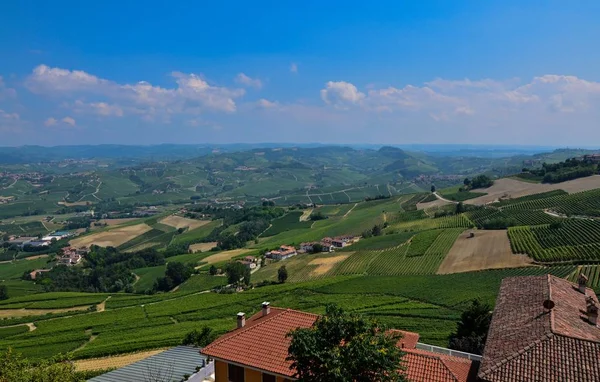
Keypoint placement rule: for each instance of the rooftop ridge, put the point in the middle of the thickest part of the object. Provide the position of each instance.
(552, 314)
(433, 356)
(238, 332)
(516, 354)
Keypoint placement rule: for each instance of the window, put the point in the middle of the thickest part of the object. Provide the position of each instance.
(268, 378)
(236, 373)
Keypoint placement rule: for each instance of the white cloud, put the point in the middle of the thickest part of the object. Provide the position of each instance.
(50, 122)
(69, 121)
(340, 92)
(248, 81)
(65, 122)
(192, 95)
(98, 108)
(10, 122)
(266, 104)
(293, 67)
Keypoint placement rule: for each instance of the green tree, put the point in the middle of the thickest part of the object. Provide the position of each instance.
(471, 330)
(317, 248)
(282, 274)
(13, 368)
(460, 208)
(212, 270)
(179, 272)
(342, 347)
(3, 292)
(200, 337)
(433, 188)
(376, 230)
(237, 273)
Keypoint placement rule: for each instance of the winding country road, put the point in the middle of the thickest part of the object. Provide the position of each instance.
(444, 199)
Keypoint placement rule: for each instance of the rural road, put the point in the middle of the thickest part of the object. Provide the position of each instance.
(444, 199)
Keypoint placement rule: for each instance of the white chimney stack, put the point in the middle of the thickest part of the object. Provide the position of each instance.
(582, 281)
(266, 308)
(241, 320)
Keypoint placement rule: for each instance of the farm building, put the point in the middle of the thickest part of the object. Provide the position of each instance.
(544, 328)
(35, 273)
(284, 252)
(239, 355)
(171, 365)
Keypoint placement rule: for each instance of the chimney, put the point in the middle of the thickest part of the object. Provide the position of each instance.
(241, 320)
(592, 311)
(582, 280)
(266, 308)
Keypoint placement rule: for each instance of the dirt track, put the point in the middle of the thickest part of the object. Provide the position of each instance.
(513, 188)
(435, 203)
(487, 250)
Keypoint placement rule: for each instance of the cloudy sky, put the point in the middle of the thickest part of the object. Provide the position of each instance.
(493, 72)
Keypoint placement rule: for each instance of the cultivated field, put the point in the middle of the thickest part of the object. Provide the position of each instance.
(325, 264)
(434, 204)
(224, 256)
(512, 188)
(111, 222)
(116, 361)
(181, 222)
(203, 247)
(487, 250)
(12, 313)
(111, 238)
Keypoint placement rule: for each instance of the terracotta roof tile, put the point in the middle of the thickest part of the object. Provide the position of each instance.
(526, 342)
(262, 344)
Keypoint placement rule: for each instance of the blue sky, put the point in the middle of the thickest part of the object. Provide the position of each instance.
(493, 72)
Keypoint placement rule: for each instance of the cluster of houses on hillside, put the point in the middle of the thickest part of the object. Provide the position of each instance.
(70, 256)
(327, 244)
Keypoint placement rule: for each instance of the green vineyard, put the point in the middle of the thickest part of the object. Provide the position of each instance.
(591, 271)
(573, 239)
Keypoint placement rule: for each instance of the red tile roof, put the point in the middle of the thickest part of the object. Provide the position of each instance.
(526, 342)
(424, 366)
(262, 344)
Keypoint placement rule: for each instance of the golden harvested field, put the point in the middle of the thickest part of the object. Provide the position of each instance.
(67, 204)
(9, 313)
(325, 264)
(181, 222)
(113, 237)
(224, 256)
(111, 222)
(203, 247)
(487, 250)
(512, 188)
(114, 361)
(435, 203)
(306, 215)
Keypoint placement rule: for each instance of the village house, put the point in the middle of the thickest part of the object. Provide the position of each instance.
(34, 274)
(250, 262)
(241, 355)
(544, 328)
(284, 252)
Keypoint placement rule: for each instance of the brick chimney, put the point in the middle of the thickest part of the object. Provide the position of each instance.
(241, 320)
(592, 311)
(582, 281)
(266, 308)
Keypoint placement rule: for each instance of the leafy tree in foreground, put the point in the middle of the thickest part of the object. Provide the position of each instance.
(471, 330)
(13, 368)
(342, 347)
(432, 188)
(282, 274)
(200, 337)
(3, 292)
